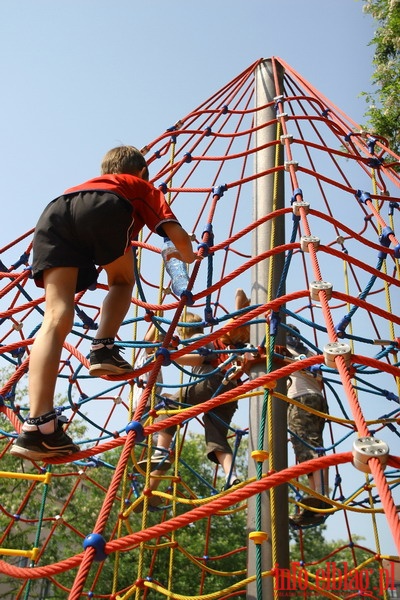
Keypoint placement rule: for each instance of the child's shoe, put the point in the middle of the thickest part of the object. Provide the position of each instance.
(108, 361)
(160, 461)
(35, 445)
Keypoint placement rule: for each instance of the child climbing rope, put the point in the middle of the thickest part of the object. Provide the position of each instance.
(90, 224)
(152, 335)
(306, 427)
(217, 421)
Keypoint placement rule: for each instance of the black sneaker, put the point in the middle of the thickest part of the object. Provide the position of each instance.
(159, 462)
(108, 361)
(35, 445)
(306, 518)
(153, 503)
(228, 486)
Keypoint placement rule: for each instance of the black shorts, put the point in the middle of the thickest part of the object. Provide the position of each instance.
(81, 230)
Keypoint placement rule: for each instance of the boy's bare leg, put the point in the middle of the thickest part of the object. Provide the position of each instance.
(121, 279)
(105, 358)
(319, 482)
(42, 435)
(164, 441)
(44, 362)
(225, 459)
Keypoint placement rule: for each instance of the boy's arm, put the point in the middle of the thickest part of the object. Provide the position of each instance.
(241, 300)
(190, 360)
(181, 240)
(151, 334)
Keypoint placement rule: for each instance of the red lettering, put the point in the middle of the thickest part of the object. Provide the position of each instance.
(302, 579)
(352, 582)
(284, 580)
(320, 579)
(363, 580)
(336, 581)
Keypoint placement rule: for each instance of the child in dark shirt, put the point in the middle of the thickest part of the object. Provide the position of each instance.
(208, 381)
(91, 224)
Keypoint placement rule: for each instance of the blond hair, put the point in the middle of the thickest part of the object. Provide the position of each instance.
(187, 332)
(124, 159)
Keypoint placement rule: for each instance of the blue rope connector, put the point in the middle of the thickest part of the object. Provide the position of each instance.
(362, 197)
(165, 353)
(23, 260)
(391, 396)
(138, 429)
(326, 112)
(86, 320)
(208, 316)
(314, 370)
(218, 190)
(96, 541)
(17, 352)
(208, 229)
(189, 297)
(204, 246)
(208, 131)
(188, 157)
(296, 192)
(371, 145)
(274, 323)
(203, 351)
(385, 240)
(392, 206)
(348, 136)
(163, 187)
(374, 162)
(397, 251)
(341, 326)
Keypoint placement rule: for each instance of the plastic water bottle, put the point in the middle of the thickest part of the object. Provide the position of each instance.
(175, 268)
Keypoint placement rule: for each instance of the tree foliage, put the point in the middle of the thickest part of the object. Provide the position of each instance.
(384, 109)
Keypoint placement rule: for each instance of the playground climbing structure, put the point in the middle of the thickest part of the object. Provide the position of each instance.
(337, 276)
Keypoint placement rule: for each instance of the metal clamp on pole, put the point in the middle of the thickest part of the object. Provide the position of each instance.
(297, 205)
(305, 240)
(334, 349)
(317, 286)
(365, 448)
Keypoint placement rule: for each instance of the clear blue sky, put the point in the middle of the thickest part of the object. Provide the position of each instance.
(81, 76)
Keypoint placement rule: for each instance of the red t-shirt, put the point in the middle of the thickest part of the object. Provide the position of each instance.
(149, 205)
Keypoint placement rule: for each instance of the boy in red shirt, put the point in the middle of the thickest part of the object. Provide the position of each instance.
(91, 224)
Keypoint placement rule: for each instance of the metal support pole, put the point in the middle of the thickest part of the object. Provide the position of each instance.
(265, 188)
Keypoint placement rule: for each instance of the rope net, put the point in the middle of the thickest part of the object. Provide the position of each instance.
(92, 528)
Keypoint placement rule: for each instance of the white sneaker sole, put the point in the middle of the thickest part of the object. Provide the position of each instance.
(104, 369)
(37, 455)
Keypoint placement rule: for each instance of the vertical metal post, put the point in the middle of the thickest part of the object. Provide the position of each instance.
(266, 187)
